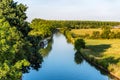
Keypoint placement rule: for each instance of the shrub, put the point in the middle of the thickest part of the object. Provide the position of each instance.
(95, 35)
(79, 43)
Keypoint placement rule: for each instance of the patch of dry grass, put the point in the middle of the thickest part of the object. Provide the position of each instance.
(89, 31)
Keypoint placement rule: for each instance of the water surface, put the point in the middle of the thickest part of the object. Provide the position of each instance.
(61, 63)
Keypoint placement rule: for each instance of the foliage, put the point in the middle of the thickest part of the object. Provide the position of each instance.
(76, 24)
(16, 51)
(68, 36)
(79, 43)
(42, 28)
(106, 33)
(15, 14)
(96, 35)
(13, 51)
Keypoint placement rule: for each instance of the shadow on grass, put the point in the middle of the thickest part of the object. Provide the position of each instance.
(108, 60)
(98, 49)
(102, 60)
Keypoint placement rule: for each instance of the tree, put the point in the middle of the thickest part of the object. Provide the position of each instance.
(79, 43)
(16, 52)
(106, 33)
(42, 28)
(13, 51)
(15, 14)
(96, 34)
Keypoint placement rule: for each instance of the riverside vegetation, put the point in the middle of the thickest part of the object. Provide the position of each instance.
(19, 40)
(102, 47)
(102, 40)
(19, 49)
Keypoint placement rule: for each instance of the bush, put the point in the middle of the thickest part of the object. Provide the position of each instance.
(79, 43)
(106, 33)
(95, 35)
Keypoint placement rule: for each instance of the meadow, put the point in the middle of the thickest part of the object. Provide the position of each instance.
(104, 52)
(90, 31)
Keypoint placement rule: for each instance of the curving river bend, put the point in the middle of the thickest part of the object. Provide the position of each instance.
(62, 63)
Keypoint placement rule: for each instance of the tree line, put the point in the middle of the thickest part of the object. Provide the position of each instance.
(79, 24)
(45, 28)
(75, 24)
(17, 49)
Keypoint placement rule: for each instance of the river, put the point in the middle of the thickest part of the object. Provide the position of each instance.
(62, 63)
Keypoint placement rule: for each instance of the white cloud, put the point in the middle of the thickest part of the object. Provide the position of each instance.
(73, 9)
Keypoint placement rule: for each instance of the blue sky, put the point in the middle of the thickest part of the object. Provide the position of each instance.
(73, 9)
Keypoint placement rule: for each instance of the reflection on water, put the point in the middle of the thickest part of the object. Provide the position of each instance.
(78, 58)
(45, 51)
(61, 62)
(35, 61)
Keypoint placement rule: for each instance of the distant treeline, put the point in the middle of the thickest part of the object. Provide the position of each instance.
(44, 28)
(76, 24)
(84, 24)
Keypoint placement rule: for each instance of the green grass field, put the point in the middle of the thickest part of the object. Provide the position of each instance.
(111, 46)
(105, 52)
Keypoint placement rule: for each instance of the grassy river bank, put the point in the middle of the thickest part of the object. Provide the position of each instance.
(103, 53)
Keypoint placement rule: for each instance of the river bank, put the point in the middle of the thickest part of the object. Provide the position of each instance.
(102, 53)
(62, 63)
(94, 62)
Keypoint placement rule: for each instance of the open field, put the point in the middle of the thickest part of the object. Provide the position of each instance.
(104, 47)
(106, 53)
(89, 31)
(84, 31)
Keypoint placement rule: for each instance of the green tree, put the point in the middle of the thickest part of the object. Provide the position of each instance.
(16, 52)
(95, 35)
(79, 43)
(14, 49)
(15, 14)
(106, 33)
(112, 35)
(42, 27)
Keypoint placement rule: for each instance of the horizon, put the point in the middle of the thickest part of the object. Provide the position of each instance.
(94, 10)
(77, 20)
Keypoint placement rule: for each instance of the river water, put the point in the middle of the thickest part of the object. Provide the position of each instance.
(62, 63)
